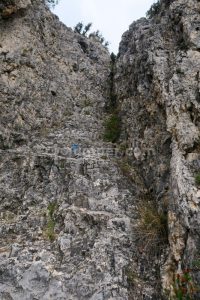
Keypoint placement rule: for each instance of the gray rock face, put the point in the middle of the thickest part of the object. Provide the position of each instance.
(65, 223)
(157, 83)
(69, 204)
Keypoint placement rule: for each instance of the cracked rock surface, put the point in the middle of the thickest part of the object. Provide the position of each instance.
(157, 84)
(65, 221)
(69, 221)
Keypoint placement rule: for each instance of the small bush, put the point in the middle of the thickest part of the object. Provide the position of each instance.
(87, 103)
(49, 229)
(79, 27)
(104, 157)
(84, 30)
(154, 10)
(87, 113)
(131, 276)
(197, 179)
(52, 3)
(112, 128)
(183, 45)
(113, 97)
(126, 169)
(99, 37)
(179, 71)
(183, 286)
(131, 172)
(51, 208)
(113, 58)
(152, 229)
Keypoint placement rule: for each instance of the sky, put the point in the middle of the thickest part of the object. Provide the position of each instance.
(111, 17)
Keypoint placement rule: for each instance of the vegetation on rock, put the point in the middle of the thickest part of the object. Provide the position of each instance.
(81, 29)
(113, 98)
(154, 9)
(112, 128)
(183, 286)
(84, 30)
(152, 229)
(49, 230)
(197, 179)
(52, 3)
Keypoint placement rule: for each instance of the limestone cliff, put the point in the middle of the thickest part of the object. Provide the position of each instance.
(157, 83)
(70, 223)
(65, 218)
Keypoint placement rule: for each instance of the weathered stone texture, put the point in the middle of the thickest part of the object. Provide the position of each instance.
(69, 223)
(157, 83)
(53, 91)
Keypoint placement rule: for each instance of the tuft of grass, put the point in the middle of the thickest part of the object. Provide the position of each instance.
(123, 147)
(126, 170)
(87, 103)
(184, 288)
(183, 44)
(152, 229)
(130, 172)
(131, 276)
(197, 179)
(50, 226)
(196, 264)
(50, 230)
(104, 157)
(112, 128)
(179, 71)
(87, 113)
(51, 208)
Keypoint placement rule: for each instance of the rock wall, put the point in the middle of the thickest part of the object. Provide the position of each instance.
(70, 222)
(65, 221)
(157, 84)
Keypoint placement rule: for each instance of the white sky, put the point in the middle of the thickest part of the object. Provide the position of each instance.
(111, 17)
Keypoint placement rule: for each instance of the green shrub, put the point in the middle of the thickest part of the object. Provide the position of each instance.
(87, 113)
(79, 27)
(84, 30)
(129, 171)
(87, 28)
(51, 208)
(183, 45)
(197, 179)
(49, 229)
(99, 37)
(104, 157)
(154, 9)
(52, 3)
(152, 228)
(112, 104)
(112, 128)
(179, 71)
(126, 169)
(87, 103)
(113, 58)
(183, 286)
(132, 276)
